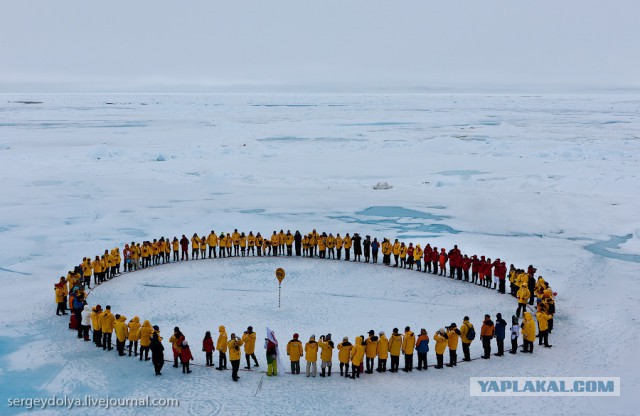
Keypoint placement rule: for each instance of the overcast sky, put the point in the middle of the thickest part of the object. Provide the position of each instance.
(318, 45)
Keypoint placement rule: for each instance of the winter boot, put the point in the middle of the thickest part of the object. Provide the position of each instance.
(323, 373)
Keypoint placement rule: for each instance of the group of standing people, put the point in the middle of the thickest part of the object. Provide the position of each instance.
(360, 356)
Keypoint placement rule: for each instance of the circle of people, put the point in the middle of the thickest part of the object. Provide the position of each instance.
(70, 295)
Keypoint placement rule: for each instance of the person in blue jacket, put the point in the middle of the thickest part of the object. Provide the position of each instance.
(375, 246)
(78, 306)
(501, 326)
(422, 347)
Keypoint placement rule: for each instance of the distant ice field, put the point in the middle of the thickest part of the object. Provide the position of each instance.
(548, 180)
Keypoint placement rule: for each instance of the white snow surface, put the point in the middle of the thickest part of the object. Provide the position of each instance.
(549, 180)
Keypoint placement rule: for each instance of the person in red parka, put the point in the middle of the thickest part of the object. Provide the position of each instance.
(481, 269)
(455, 263)
(208, 348)
(488, 274)
(466, 265)
(184, 245)
(185, 357)
(410, 256)
(500, 271)
(443, 262)
(434, 260)
(427, 258)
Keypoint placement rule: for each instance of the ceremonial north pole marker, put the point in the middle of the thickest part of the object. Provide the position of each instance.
(280, 276)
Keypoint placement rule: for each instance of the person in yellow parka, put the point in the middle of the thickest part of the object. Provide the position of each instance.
(96, 313)
(144, 334)
(417, 257)
(543, 327)
(134, 335)
(382, 350)
(371, 350)
(275, 241)
(259, 244)
(229, 244)
(357, 355)
(107, 320)
(453, 335)
(222, 243)
(441, 345)
(212, 242)
(117, 258)
(221, 345)
(167, 251)
(243, 245)
(540, 287)
(122, 333)
(311, 355)
(87, 270)
(344, 354)
(251, 244)
(235, 239)
(523, 297)
(338, 246)
(135, 255)
(313, 242)
(60, 290)
(305, 246)
(403, 255)
(111, 263)
(176, 344)
(396, 252)
(528, 333)
(249, 340)
(347, 242)
(322, 247)
(195, 246)
(465, 337)
(294, 351)
(234, 355)
(155, 252)
(282, 238)
(386, 252)
(408, 345)
(395, 347)
(326, 354)
(203, 247)
(96, 265)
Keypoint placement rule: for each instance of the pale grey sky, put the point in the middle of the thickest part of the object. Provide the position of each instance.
(318, 45)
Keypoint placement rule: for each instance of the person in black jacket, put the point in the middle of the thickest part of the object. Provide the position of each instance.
(297, 241)
(501, 327)
(367, 248)
(157, 351)
(184, 247)
(357, 247)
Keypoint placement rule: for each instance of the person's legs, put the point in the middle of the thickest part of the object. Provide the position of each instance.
(235, 365)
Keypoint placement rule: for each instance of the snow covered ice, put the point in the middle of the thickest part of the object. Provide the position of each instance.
(548, 180)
